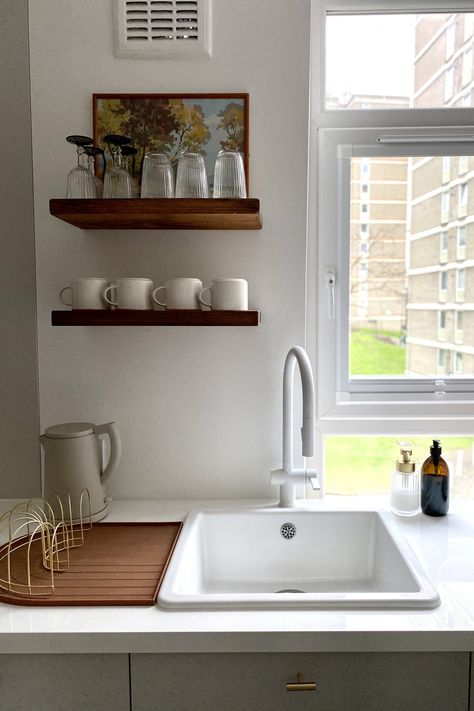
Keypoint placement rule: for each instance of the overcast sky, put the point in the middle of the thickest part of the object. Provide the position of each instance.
(371, 54)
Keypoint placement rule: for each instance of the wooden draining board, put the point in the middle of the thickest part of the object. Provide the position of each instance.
(119, 564)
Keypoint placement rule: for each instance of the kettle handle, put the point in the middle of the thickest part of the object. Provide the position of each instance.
(111, 430)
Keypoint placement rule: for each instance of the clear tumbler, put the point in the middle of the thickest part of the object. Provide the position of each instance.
(229, 175)
(191, 179)
(157, 176)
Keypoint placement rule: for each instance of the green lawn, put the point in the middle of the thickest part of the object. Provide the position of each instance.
(372, 354)
(363, 465)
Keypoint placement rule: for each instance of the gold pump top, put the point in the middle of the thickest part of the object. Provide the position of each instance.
(405, 464)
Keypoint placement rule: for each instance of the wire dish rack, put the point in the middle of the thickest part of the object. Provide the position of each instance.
(49, 558)
(40, 526)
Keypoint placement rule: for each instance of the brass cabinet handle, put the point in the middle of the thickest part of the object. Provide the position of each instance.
(300, 685)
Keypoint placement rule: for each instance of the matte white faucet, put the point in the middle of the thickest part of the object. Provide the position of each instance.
(288, 477)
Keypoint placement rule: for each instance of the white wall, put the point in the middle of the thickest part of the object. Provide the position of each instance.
(199, 409)
(19, 428)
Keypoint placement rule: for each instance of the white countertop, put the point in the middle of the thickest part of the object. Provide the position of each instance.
(444, 546)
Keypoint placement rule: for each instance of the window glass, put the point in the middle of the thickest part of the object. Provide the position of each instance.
(402, 270)
(372, 460)
(376, 61)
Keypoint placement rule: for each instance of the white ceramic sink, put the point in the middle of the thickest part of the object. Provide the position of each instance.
(336, 559)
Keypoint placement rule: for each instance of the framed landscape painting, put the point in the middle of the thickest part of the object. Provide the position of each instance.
(171, 123)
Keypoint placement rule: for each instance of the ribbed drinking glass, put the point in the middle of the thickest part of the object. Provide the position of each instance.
(229, 175)
(191, 179)
(157, 176)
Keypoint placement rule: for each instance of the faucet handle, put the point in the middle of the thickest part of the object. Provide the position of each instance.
(312, 478)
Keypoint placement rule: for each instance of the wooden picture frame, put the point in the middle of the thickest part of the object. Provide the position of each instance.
(168, 123)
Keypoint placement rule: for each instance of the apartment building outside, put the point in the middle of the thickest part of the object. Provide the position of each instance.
(440, 274)
(378, 289)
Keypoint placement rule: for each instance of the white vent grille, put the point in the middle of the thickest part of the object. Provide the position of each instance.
(151, 29)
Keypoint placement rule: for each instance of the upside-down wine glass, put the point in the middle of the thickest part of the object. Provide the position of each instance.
(118, 181)
(92, 152)
(80, 182)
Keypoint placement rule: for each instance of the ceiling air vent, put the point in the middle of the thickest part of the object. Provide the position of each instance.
(162, 29)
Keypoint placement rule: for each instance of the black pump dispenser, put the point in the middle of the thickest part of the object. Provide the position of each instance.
(435, 451)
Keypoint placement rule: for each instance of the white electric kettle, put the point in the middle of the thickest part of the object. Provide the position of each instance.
(73, 462)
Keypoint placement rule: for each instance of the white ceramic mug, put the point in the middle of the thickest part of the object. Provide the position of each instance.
(226, 295)
(180, 293)
(130, 293)
(86, 293)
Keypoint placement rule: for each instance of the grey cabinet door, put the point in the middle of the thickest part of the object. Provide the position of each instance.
(471, 700)
(64, 682)
(257, 682)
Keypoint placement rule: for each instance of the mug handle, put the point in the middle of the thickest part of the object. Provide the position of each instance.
(61, 298)
(105, 294)
(155, 299)
(200, 295)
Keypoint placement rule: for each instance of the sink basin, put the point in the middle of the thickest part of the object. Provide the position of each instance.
(290, 558)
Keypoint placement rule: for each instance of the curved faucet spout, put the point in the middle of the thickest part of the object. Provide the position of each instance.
(290, 475)
(298, 355)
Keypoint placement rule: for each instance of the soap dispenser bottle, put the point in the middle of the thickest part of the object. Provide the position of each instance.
(405, 490)
(435, 483)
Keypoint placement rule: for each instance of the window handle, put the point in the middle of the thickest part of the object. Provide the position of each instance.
(426, 138)
(330, 274)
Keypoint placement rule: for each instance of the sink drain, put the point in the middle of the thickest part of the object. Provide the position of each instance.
(290, 590)
(288, 530)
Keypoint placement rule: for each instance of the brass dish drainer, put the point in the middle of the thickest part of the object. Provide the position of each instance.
(41, 522)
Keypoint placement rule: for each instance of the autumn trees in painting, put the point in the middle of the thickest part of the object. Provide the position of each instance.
(169, 124)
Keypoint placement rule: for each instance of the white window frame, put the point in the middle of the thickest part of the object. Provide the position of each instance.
(388, 409)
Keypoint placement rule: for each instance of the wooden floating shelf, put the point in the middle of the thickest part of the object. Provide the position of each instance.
(126, 317)
(159, 213)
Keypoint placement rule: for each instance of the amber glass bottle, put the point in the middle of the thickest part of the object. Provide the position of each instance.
(435, 483)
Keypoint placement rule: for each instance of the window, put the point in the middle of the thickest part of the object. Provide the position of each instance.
(443, 286)
(460, 283)
(445, 206)
(446, 174)
(458, 328)
(406, 58)
(463, 164)
(378, 355)
(450, 37)
(443, 361)
(468, 26)
(467, 67)
(442, 326)
(443, 247)
(360, 478)
(458, 363)
(461, 242)
(448, 84)
(462, 199)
